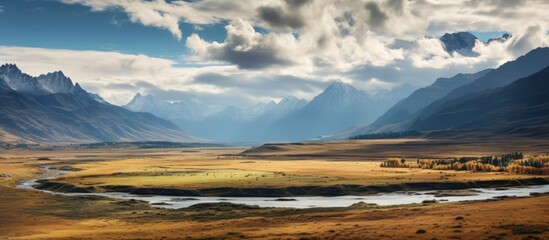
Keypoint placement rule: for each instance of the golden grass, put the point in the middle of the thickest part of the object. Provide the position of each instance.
(26, 214)
(206, 168)
(198, 178)
(481, 220)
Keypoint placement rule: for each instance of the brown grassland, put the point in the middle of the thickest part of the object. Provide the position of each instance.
(29, 214)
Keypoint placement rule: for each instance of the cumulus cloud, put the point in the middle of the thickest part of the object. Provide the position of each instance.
(377, 18)
(326, 31)
(168, 14)
(393, 17)
(284, 14)
(302, 45)
(150, 13)
(532, 37)
(511, 16)
(117, 77)
(244, 47)
(341, 35)
(277, 17)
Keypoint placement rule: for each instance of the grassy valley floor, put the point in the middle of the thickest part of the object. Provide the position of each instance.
(29, 214)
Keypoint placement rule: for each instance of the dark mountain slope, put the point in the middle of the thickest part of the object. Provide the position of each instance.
(421, 98)
(507, 73)
(520, 108)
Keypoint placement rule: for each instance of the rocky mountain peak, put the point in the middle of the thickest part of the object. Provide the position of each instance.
(458, 41)
(9, 68)
(20, 81)
(56, 82)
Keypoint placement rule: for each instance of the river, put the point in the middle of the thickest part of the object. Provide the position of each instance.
(382, 199)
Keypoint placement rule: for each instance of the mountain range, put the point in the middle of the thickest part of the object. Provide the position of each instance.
(510, 99)
(520, 108)
(419, 99)
(51, 109)
(417, 111)
(215, 121)
(338, 107)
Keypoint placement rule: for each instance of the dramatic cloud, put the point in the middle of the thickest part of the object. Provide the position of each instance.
(118, 77)
(275, 48)
(338, 36)
(169, 14)
(408, 18)
(244, 47)
(532, 37)
(285, 15)
(377, 18)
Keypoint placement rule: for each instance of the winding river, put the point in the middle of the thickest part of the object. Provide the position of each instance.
(382, 199)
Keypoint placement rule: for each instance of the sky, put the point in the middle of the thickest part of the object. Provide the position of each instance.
(247, 51)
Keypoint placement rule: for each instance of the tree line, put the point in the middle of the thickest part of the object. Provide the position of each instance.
(512, 163)
(386, 135)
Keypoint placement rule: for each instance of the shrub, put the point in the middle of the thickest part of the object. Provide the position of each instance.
(512, 163)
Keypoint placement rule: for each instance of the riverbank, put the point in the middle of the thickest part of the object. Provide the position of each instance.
(65, 217)
(337, 190)
(299, 197)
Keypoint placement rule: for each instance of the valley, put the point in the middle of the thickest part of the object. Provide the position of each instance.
(279, 119)
(273, 166)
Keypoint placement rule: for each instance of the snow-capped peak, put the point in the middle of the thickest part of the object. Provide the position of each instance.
(291, 102)
(56, 82)
(340, 88)
(20, 81)
(139, 102)
(339, 93)
(288, 99)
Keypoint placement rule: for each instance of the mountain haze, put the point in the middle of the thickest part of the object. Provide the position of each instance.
(340, 106)
(216, 121)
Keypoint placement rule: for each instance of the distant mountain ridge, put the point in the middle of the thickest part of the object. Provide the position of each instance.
(477, 83)
(419, 99)
(50, 109)
(520, 108)
(338, 107)
(215, 121)
(505, 74)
